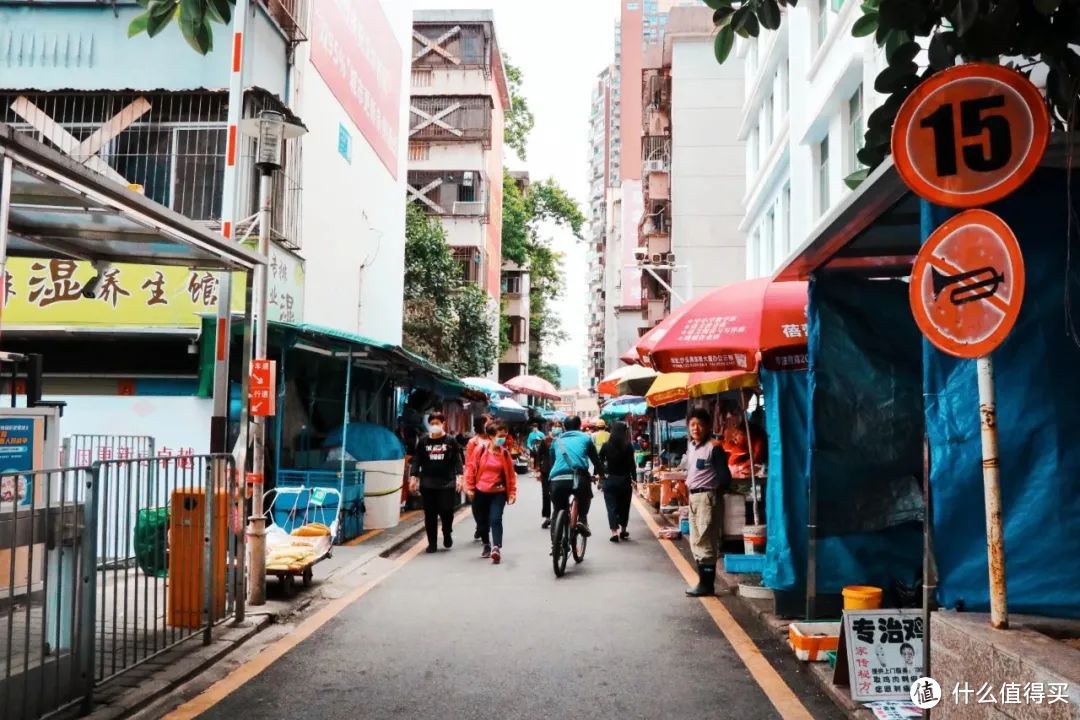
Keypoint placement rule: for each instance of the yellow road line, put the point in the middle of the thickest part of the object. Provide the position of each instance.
(780, 695)
(235, 679)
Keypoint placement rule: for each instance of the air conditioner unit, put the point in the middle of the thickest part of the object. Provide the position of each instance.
(655, 166)
(468, 178)
(657, 258)
(670, 258)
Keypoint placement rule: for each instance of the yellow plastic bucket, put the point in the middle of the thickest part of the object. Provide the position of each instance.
(861, 597)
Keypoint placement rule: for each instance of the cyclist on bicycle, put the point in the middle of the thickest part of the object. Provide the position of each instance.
(571, 454)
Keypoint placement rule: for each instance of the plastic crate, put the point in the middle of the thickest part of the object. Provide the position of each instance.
(744, 564)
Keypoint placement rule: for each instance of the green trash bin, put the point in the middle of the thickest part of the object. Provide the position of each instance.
(152, 541)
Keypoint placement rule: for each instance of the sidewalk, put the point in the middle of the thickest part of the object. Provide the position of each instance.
(142, 686)
(727, 587)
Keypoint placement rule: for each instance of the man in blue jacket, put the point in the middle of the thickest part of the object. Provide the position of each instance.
(571, 454)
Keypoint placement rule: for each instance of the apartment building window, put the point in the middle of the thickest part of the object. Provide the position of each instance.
(752, 152)
(785, 217)
(511, 283)
(768, 237)
(517, 330)
(469, 260)
(856, 126)
(823, 175)
(767, 119)
(822, 21)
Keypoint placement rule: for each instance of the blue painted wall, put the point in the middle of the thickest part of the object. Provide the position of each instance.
(59, 46)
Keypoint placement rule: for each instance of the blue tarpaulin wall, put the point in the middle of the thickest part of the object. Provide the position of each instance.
(1037, 372)
(787, 428)
(865, 432)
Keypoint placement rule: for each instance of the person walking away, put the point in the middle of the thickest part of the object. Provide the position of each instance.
(707, 477)
(571, 454)
(543, 466)
(601, 435)
(491, 484)
(532, 442)
(436, 473)
(617, 461)
(479, 439)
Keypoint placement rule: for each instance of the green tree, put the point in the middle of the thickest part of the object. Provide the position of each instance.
(519, 120)
(445, 320)
(524, 217)
(1028, 32)
(195, 18)
(475, 343)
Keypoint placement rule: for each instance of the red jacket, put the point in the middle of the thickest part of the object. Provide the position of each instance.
(478, 475)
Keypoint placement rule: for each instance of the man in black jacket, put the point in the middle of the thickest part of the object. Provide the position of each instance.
(436, 473)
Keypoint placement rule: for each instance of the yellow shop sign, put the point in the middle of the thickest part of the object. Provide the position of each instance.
(59, 292)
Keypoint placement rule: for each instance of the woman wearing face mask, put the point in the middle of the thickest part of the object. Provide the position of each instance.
(479, 439)
(436, 473)
(491, 484)
(617, 458)
(544, 461)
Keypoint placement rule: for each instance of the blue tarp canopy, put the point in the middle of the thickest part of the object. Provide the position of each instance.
(1037, 374)
(367, 442)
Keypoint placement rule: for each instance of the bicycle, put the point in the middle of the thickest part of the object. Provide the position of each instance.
(567, 538)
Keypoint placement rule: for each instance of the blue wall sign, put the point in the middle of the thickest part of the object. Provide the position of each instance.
(344, 143)
(17, 455)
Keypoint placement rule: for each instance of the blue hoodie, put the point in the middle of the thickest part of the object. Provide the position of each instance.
(578, 448)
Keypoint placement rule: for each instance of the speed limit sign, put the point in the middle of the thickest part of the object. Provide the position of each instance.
(970, 135)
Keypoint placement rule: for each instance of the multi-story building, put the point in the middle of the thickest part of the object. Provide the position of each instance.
(457, 107)
(796, 162)
(600, 172)
(692, 167)
(131, 347)
(516, 307)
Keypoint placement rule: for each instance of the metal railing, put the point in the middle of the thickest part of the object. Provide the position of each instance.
(105, 567)
(449, 118)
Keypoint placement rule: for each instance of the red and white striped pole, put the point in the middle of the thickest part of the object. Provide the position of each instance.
(219, 424)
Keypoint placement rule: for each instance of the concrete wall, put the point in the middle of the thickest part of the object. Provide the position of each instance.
(707, 168)
(84, 46)
(967, 652)
(354, 209)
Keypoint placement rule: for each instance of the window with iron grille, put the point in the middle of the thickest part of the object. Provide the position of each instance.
(463, 45)
(450, 118)
(450, 192)
(511, 283)
(469, 259)
(171, 146)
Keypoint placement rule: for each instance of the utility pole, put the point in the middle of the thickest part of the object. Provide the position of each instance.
(271, 130)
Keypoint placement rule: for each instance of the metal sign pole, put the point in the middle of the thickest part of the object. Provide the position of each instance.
(995, 542)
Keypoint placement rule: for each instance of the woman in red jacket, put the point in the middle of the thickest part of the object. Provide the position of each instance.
(491, 484)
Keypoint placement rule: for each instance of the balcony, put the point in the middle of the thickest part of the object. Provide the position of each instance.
(290, 15)
(452, 193)
(656, 149)
(450, 119)
(171, 146)
(655, 310)
(452, 46)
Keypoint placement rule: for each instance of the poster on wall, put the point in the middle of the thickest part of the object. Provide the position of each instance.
(880, 653)
(19, 451)
(355, 51)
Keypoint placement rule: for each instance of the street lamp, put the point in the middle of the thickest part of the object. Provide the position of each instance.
(270, 131)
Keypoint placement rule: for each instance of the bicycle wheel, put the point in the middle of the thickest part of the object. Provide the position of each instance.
(560, 542)
(578, 541)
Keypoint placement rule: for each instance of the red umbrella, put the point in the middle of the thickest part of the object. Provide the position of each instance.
(733, 328)
(533, 385)
(630, 357)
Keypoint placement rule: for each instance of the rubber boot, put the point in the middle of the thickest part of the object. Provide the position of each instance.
(706, 584)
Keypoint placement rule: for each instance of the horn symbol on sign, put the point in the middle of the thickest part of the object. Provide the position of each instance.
(980, 290)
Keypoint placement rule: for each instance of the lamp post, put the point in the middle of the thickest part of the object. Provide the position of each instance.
(270, 131)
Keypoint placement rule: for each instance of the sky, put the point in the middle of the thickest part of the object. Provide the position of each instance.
(560, 46)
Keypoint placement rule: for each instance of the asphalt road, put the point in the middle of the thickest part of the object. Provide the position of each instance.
(452, 636)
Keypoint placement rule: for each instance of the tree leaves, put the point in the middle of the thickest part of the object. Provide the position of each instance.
(725, 40)
(866, 25)
(769, 14)
(717, 4)
(941, 53)
(519, 119)
(194, 17)
(722, 16)
(744, 22)
(856, 178)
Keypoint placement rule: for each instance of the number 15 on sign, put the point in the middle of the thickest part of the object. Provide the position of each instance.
(970, 135)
